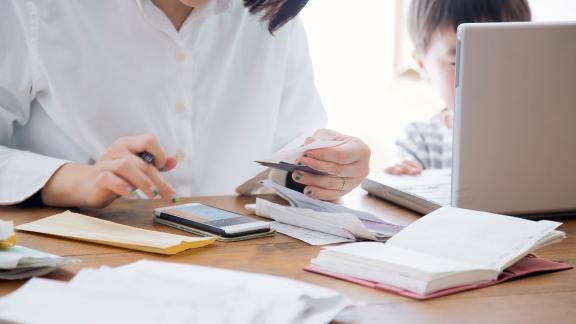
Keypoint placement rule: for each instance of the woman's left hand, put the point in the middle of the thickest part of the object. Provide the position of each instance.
(347, 165)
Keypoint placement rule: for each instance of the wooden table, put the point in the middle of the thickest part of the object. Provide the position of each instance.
(538, 299)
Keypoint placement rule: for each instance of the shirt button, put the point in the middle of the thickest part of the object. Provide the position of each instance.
(180, 155)
(180, 107)
(180, 57)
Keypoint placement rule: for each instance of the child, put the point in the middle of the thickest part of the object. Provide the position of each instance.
(432, 26)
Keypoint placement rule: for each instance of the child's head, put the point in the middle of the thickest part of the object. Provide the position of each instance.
(432, 26)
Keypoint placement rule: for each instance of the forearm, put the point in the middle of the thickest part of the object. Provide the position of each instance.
(66, 188)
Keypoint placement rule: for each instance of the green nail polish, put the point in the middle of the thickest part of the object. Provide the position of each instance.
(133, 191)
(305, 155)
(154, 192)
(299, 164)
(298, 177)
(175, 199)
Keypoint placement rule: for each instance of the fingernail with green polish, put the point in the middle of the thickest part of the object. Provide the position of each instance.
(305, 155)
(175, 199)
(298, 176)
(154, 192)
(299, 164)
(133, 191)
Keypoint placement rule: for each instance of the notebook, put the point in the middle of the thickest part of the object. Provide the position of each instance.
(90, 229)
(448, 250)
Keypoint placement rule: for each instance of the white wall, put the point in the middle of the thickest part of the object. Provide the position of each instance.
(352, 44)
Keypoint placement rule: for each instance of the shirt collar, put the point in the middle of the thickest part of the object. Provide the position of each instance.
(213, 7)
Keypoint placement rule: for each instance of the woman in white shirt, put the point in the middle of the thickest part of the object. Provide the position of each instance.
(203, 85)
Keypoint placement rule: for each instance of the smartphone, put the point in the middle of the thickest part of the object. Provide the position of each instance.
(212, 220)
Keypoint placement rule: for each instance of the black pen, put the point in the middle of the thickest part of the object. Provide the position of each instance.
(147, 157)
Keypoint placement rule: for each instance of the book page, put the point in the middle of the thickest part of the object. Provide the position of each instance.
(484, 239)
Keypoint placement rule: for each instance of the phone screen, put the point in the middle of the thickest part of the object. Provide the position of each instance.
(209, 215)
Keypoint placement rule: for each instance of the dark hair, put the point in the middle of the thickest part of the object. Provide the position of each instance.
(427, 16)
(276, 12)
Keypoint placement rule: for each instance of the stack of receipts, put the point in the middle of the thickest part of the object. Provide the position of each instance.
(159, 292)
(318, 222)
(20, 262)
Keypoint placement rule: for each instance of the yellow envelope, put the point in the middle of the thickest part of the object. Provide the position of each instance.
(85, 228)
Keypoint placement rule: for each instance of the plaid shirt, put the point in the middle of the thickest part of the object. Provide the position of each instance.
(429, 143)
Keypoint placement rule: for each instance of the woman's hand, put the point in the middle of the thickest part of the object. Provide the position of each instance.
(412, 168)
(118, 172)
(347, 165)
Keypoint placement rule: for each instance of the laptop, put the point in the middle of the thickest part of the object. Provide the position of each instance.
(514, 149)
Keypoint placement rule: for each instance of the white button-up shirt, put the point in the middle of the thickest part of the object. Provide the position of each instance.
(219, 94)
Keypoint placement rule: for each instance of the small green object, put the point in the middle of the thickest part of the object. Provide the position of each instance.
(299, 164)
(305, 155)
(298, 177)
(154, 192)
(175, 199)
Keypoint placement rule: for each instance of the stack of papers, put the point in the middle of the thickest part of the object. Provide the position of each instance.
(319, 222)
(159, 292)
(448, 248)
(7, 236)
(19, 262)
(85, 228)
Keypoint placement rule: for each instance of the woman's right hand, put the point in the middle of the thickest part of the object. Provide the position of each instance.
(118, 172)
(412, 168)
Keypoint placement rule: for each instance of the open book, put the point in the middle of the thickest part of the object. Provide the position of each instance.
(448, 248)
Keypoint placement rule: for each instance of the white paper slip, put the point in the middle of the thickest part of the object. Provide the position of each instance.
(7, 236)
(309, 236)
(162, 292)
(300, 200)
(20, 262)
(291, 155)
(323, 216)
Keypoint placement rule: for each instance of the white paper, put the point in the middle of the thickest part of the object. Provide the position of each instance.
(6, 230)
(161, 292)
(432, 185)
(300, 200)
(323, 216)
(309, 236)
(291, 155)
(23, 257)
(453, 232)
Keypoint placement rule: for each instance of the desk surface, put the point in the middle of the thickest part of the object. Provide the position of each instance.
(542, 298)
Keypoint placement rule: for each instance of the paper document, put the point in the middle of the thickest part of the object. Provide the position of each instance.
(85, 228)
(20, 262)
(309, 236)
(161, 292)
(291, 155)
(344, 224)
(7, 236)
(433, 185)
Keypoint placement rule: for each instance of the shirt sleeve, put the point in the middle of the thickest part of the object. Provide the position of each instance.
(22, 173)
